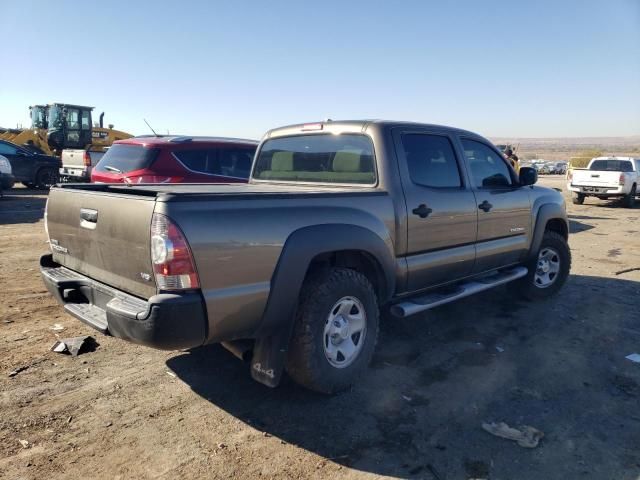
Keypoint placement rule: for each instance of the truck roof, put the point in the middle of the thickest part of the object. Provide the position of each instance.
(357, 125)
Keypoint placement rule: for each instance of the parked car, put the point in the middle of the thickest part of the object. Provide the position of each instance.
(6, 175)
(546, 168)
(152, 159)
(338, 220)
(606, 177)
(560, 168)
(77, 164)
(32, 169)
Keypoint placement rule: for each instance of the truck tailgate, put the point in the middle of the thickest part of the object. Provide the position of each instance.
(596, 178)
(103, 235)
(72, 158)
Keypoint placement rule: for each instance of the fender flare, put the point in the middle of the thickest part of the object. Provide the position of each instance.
(302, 246)
(546, 212)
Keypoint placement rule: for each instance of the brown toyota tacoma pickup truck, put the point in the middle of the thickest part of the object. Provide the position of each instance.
(339, 221)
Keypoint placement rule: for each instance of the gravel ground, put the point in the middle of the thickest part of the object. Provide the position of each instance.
(125, 411)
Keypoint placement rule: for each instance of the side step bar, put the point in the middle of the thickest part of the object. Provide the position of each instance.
(435, 299)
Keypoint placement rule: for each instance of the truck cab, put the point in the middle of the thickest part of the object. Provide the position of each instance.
(69, 126)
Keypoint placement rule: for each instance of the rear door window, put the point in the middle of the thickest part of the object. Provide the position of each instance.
(431, 160)
(204, 160)
(317, 158)
(122, 158)
(236, 162)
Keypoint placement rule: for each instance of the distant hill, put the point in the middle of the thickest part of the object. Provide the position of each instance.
(563, 148)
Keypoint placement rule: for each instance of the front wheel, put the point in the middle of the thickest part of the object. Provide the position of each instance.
(630, 200)
(336, 331)
(46, 178)
(548, 269)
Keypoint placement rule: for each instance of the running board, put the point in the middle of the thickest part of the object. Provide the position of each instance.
(435, 299)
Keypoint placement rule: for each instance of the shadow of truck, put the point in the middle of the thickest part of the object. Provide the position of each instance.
(557, 365)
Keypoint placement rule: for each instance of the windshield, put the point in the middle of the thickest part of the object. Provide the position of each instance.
(39, 116)
(612, 165)
(325, 158)
(55, 117)
(122, 158)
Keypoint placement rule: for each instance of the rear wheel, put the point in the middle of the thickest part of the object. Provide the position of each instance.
(46, 178)
(629, 200)
(578, 199)
(548, 269)
(336, 331)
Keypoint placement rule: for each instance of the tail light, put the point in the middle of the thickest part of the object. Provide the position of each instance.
(621, 179)
(173, 264)
(46, 222)
(86, 159)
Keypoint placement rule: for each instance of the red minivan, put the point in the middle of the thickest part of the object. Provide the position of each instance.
(173, 159)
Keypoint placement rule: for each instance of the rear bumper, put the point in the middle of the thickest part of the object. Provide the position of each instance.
(165, 321)
(76, 174)
(596, 190)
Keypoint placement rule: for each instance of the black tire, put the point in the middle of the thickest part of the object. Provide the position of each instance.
(578, 199)
(307, 363)
(46, 177)
(528, 285)
(629, 201)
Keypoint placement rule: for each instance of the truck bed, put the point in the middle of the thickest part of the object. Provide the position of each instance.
(170, 191)
(236, 233)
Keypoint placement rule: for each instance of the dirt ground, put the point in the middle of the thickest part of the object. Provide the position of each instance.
(125, 411)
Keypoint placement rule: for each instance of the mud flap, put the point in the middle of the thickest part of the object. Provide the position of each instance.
(269, 356)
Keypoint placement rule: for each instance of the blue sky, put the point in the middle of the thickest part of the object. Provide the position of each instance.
(501, 68)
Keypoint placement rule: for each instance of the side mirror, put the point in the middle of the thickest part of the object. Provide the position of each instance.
(528, 176)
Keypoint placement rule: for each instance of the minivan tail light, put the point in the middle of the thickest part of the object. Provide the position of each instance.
(86, 159)
(173, 264)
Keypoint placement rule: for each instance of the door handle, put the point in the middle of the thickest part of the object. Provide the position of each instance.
(89, 215)
(422, 211)
(88, 218)
(486, 206)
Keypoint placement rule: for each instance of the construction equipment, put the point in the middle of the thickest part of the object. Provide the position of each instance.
(513, 158)
(57, 126)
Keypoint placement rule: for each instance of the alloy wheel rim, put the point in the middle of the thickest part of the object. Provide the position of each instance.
(547, 268)
(344, 332)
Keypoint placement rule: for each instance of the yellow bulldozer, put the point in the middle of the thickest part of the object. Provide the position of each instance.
(57, 126)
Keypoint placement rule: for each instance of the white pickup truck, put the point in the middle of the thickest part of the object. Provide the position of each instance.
(606, 177)
(77, 164)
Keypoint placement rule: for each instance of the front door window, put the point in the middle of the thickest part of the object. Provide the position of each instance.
(487, 168)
